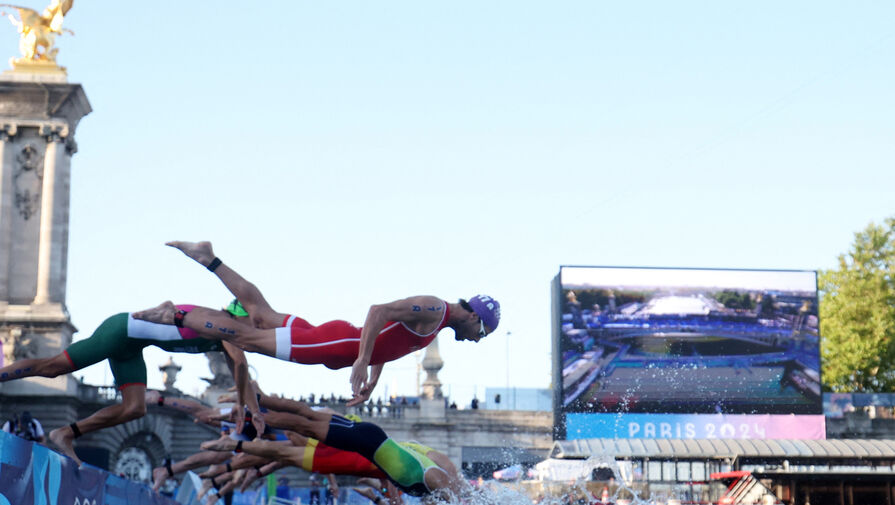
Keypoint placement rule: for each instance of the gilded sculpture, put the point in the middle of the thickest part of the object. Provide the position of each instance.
(38, 31)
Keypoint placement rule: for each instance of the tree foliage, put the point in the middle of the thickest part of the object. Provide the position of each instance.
(857, 314)
(735, 300)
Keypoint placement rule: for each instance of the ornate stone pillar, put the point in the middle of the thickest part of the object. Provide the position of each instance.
(169, 374)
(432, 363)
(221, 379)
(37, 125)
(432, 401)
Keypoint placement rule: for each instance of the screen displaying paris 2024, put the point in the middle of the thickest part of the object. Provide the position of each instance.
(716, 353)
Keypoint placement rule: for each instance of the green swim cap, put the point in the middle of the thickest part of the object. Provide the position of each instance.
(236, 309)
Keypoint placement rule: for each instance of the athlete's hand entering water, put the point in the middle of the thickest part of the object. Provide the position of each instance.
(367, 389)
(359, 382)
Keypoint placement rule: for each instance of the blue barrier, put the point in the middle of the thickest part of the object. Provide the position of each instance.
(31, 474)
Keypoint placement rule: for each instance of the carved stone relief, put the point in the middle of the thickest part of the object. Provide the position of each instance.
(217, 363)
(18, 345)
(27, 180)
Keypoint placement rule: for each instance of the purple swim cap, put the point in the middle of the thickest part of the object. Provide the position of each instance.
(487, 308)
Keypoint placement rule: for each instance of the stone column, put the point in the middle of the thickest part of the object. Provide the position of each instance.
(169, 374)
(53, 228)
(7, 131)
(432, 363)
(432, 401)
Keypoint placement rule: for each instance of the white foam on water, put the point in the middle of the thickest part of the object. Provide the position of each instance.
(572, 492)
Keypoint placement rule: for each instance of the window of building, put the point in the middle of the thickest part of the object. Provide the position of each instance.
(683, 471)
(668, 472)
(654, 471)
(698, 471)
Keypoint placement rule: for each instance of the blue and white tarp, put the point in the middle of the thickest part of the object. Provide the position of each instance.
(31, 474)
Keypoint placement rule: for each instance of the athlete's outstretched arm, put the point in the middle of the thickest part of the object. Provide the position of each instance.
(369, 493)
(367, 389)
(238, 365)
(409, 310)
(278, 403)
(454, 483)
(245, 394)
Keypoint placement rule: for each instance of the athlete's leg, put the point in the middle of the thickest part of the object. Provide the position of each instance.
(104, 341)
(304, 420)
(200, 459)
(198, 410)
(295, 438)
(238, 462)
(280, 451)
(253, 474)
(226, 486)
(42, 367)
(326, 459)
(256, 473)
(223, 484)
(214, 324)
(213, 482)
(132, 406)
(263, 315)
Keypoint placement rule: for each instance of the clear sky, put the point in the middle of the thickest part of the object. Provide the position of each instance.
(346, 153)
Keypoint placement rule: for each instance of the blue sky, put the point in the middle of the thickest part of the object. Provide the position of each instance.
(346, 153)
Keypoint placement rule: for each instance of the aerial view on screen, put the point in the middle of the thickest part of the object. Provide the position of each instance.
(654, 340)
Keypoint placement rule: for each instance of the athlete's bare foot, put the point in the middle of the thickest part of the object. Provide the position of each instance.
(64, 439)
(251, 475)
(243, 477)
(159, 476)
(152, 396)
(213, 471)
(221, 444)
(227, 398)
(206, 485)
(163, 314)
(212, 499)
(199, 251)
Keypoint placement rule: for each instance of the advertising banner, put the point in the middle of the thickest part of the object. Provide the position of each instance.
(31, 474)
(691, 426)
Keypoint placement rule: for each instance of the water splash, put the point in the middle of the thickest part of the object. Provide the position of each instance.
(580, 490)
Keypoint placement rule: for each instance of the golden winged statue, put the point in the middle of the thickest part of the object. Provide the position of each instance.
(38, 30)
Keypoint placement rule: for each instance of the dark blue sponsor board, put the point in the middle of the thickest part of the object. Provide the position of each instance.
(31, 474)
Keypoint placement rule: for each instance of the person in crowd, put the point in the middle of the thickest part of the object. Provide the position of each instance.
(25, 426)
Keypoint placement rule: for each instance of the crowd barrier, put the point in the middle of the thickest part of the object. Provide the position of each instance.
(31, 474)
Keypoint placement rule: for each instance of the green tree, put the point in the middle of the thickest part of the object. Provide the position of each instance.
(857, 314)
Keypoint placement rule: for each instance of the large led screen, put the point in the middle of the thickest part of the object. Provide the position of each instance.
(687, 341)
